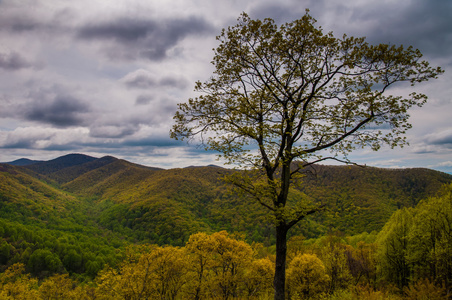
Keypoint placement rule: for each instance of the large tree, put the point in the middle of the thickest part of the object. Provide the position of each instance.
(289, 93)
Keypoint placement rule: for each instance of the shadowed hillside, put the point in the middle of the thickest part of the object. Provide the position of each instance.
(166, 206)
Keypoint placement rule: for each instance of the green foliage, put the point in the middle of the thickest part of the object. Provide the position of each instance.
(416, 243)
(44, 261)
(287, 93)
(217, 266)
(86, 227)
(394, 247)
(363, 198)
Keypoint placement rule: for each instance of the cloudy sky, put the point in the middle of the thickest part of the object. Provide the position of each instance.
(104, 77)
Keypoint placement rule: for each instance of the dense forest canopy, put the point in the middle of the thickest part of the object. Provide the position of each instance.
(81, 229)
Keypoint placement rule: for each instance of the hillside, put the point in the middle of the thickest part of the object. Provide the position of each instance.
(166, 206)
(49, 229)
(364, 198)
(76, 212)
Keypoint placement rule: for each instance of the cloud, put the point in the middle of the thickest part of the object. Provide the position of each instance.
(111, 75)
(144, 99)
(424, 24)
(16, 22)
(61, 111)
(13, 61)
(153, 141)
(133, 38)
(445, 164)
(35, 18)
(112, 131)
(43, 138)
(443, 138)
(143, 79)
(424, 149)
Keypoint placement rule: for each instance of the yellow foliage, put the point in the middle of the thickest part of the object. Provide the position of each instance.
(218, 264)
(159, 273)
(15, 284)
(306, 276)
(258, 280)
(424, 290)
(59, 287)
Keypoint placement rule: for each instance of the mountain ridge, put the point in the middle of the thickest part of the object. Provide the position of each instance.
(22, 162)
(165, 206)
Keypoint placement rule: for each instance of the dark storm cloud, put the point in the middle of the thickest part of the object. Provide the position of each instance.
(61, 111)
(23, 19)
(19, 144)
(13, 61)
(424, 24)
(279, 13)
(18, 23)
(137, 38)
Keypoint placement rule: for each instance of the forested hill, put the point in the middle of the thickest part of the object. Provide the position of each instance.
(363, 198)
(167, 206)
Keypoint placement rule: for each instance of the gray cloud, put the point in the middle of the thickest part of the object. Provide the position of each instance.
(443, 138)
(81, 100)
(60, 110)
(18, 23)
(13, 61)
(113, 131)
(142, 38)
(424, 24)
(144, 99)
(20, 19)
(279, 12)
(153, 141)
(18, 144)
(143, 79)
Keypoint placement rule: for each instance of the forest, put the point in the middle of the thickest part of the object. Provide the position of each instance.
(80, 227)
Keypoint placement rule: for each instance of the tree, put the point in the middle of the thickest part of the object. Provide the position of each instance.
(258, 278)
(393, 253)
(60, 287)
(218, 265)
(231, 258)
(148, 272)
(307, 276)
(334, 259)
(200, 246)
(286, 94)
(430, 239)
(15, 284)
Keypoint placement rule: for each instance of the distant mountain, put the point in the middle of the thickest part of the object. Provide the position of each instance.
(69, 167)
(23, 162)
(166, 206)
(57, 164)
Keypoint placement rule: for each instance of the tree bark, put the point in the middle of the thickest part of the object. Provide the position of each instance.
(279, 282)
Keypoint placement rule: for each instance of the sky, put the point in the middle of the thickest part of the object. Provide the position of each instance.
(104, 77)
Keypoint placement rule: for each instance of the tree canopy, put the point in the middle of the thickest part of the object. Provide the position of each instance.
(286, 93)
(292, 91)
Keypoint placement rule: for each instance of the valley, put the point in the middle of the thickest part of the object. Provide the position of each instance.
(77, 214)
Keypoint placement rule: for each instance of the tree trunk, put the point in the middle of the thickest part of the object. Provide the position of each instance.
(279, 282)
